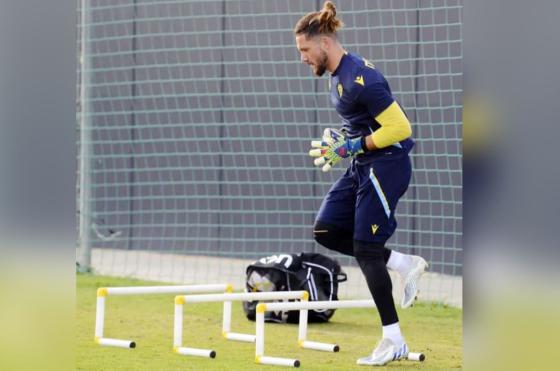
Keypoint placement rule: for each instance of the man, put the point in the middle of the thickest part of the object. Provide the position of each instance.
(357, 215)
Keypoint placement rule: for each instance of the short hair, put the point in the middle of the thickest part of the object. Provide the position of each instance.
(323, 22)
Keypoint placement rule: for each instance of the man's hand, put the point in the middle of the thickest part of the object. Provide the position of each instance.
(333, 147)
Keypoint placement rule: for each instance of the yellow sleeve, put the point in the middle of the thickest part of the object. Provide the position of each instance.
(394, 127)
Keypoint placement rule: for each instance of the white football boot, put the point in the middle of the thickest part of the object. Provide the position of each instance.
(385, 352)
(411, 280)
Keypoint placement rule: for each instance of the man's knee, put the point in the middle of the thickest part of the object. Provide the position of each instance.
(370, 258)
(368, 251)
(333, 238)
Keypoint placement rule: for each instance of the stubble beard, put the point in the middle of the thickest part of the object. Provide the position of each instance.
(321, 67)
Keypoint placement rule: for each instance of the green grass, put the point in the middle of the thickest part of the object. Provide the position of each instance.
(435, 330)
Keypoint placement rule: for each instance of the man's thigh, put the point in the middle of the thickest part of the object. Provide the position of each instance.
(381, 186)
(338, 206)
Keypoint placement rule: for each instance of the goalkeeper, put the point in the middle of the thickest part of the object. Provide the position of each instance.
(357, 216)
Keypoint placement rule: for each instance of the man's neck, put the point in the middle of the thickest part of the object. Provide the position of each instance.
(335, 58)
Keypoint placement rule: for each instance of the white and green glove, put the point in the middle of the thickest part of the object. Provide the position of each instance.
(333, 147)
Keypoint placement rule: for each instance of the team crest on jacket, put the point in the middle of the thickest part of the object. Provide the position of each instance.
(339, 88)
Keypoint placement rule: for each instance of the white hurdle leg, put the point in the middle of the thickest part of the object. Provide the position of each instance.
(226, 331)
(226, 326)
(178, 334)
(240, 337)
(420, 357)
(99, 317)
(259, 346)
(100, 324)
(302, 328)
(116, 343)
(325, 347)
(303, 317)
(208, 353)
(264, 360)
(178, 324)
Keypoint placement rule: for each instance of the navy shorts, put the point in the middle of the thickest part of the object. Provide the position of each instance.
(364, 199)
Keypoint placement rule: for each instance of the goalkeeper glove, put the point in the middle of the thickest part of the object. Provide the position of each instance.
(333, 147)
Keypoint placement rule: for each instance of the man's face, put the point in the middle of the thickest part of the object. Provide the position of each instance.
(312, 53)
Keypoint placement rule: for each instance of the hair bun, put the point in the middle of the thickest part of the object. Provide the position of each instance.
(329, 7)
(327, 18)
(327, 13)
(323, 22)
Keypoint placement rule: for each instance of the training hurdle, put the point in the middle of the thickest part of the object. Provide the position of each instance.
(226, 326)
(303, 308)
(103, 292)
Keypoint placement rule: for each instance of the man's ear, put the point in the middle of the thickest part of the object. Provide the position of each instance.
(325, 43)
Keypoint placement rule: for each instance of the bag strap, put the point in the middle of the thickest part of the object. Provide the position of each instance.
(341, 277)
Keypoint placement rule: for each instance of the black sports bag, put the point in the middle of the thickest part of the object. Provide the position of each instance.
(316, 273)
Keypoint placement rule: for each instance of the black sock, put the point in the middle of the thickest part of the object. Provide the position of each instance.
(370, 257)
